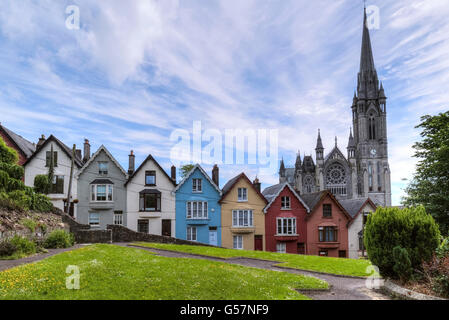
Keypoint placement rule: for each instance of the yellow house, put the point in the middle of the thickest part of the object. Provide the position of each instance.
(242, 216)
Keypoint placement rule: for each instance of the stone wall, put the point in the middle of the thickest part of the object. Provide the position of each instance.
(93, 236)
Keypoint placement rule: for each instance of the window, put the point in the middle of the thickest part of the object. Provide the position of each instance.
(143, 226)
(150, 202)
(197, 210)
(370, 176)
(94, 219)
(286, 226)
(281, 247)
(48, 158)
(285, 203)
(242, 218)
(323, 253)
(372, 127)
(197, 185)
(102, 193)
(336, 179)
(379, 178)
(103, 168)
(57, 186)
(327, 234)
(238, 242)
(365, 217)
(191, 233)
(118, 218)
(150, 178)
(327, 210)
(242, 194)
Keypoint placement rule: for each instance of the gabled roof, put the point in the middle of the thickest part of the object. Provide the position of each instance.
(313, 199)
(231, 183)
(354, 206)
(23, 145)
(150, 158)
(64, 148)
(271, 194)
(197, 166)
(103, 148)
(337, 150)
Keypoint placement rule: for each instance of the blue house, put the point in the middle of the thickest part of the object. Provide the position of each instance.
(198, 213)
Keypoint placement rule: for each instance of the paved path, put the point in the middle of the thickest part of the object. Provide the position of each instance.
(8, 264)
(342, 288)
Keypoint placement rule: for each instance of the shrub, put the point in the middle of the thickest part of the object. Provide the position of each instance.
(13, 170)
(7, 248)
(9, 204)
(30, 224)
(437, 274)
(59, 239)
(7, 154)
(4, 178)
(41, 203)
(21, 199)
(24, 245)
(411, 228)
(41, 184)
(402, 264)
(15, 184)
(443, 248)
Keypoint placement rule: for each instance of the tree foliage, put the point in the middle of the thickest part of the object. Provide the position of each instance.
(430, 185)
(7, 155)
(185, 169)
(42, 184)
(411, 228)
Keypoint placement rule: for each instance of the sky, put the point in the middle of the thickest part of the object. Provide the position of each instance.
(135, 71)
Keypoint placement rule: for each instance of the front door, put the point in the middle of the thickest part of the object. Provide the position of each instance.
(342, 254)
(301, 248)
(166, 228)
(258, 243)
(213, 239)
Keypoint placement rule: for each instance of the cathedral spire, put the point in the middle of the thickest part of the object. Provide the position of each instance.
(298, 161)
(282, 169)
(366, 59)
(319, 143)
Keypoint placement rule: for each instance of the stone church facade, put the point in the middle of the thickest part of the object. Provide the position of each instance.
(364, 170)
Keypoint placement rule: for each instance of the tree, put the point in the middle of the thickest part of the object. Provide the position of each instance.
(51, 168)
(430, 185)
(185, 169)
(402, 264)
(7, 155)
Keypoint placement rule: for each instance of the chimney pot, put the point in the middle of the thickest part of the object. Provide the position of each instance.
(41, 141)
(132, 161)
(173, 173)
(257, 184)
(216, 175)
(86, 150)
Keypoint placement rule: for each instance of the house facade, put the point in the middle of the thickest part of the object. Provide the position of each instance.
(285, 220)
(198, 211)
(242, 216)
(359, 209)
(327, 225)
(101, 191)
(23, 147)
(39, 162)
(150, 198)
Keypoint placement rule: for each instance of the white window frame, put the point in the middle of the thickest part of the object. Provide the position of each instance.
(94, 192)
(197, 210)
(100, 172)
(287, 226)
(242, 194)
(281, 247)
(118, 219)
(94, 225)
(192, 234)
(286, 203)
(237, 242)
(197, 185)
(242, 218)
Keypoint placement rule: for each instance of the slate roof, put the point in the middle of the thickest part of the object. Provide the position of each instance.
(228, 186)
(312, 199)
(353, 206)
(23, 144)
(271, 192)
(102, 181)
(150, 158)
(197, 166)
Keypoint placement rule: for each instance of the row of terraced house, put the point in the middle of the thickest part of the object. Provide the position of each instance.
(240, 215)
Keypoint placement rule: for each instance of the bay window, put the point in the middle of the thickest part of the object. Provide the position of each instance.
(286, 226)
(150, 201)
(102, 193)
(242, 218)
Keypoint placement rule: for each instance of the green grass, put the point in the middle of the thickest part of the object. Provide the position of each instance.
(113, 272)
(339, 266)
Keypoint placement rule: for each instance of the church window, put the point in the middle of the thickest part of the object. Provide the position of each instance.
(370, 176)
(308, 184)
(371, 127)
(379, 181)
(336, 179)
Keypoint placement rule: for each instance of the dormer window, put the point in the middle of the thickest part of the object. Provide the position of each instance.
(197, 185)
(150, 178)
(103, 168)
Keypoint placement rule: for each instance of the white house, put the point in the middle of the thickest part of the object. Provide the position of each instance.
(150, 198)
(359, 209)
(38, 164)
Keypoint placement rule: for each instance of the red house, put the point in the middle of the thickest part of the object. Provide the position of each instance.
(23, 147)
(327, 225)
(285, 220)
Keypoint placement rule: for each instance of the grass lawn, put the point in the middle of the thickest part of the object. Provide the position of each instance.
(113, 272)
(349, 267)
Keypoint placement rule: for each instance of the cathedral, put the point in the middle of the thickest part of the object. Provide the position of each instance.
(364, 171)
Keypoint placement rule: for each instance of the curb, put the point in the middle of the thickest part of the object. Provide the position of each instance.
(322, 273)
(405, 294)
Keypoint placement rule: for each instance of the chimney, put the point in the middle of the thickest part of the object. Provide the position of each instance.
(86, 150)
(257, 184)
(173, 173)
(215, 176)
(132, 161)
(78, 154)
(40, 142)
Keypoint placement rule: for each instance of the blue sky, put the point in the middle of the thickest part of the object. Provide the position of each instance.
(137, 70)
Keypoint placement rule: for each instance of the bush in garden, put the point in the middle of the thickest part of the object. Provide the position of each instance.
(4, 179)
(7, 248)
(411, 228)
(15, 184)
(21, 199)
(436, 272)
(402, 264)
(41, 203)
(9, 204)
(7, 154)
(42, 184)
(23, 245)
(443, 248)
(14, 171)
(59, 239)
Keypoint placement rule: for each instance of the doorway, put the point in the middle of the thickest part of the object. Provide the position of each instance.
(258, 243)
(166, 228)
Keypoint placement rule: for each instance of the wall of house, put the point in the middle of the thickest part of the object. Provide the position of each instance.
(106, 209)
(211, 196)
(37, 166)
(354, 229)
(275, 211)
(11, 144)
(165, 186)
(316, 219)
(230, 203)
